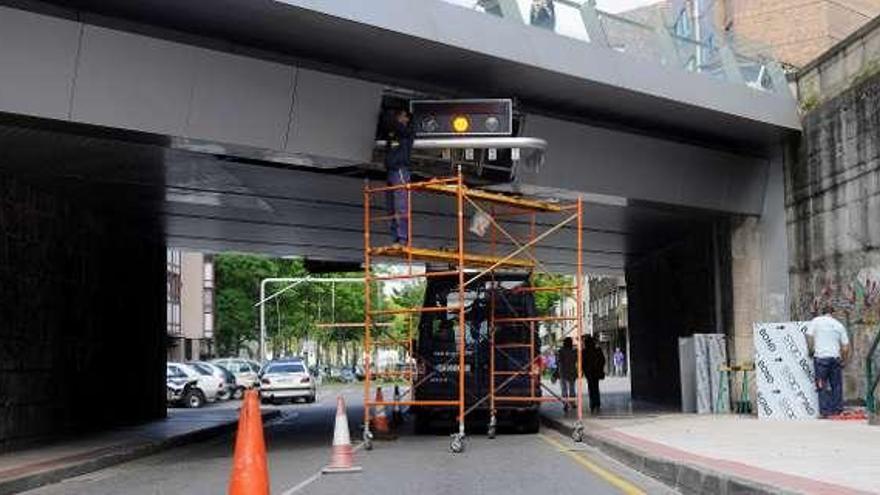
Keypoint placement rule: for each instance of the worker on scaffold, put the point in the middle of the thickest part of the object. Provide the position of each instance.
(399, 144)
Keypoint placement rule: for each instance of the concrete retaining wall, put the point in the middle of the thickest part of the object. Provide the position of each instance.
(833, 208)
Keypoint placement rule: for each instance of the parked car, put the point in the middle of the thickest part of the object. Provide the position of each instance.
(229, 383)
(246, 373)
(287, 379)
(346, 375)
(206, 388)
(182, 387)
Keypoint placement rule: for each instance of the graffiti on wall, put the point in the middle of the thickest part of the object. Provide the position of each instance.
(858, 301)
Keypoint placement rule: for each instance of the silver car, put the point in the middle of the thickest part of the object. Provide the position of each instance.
(247, 373)
(287, 379)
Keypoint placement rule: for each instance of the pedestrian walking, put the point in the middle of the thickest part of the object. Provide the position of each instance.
(829, 345)
(594, 370)
(566, 362)
(618, 359)
(398, 152)
(550, 359)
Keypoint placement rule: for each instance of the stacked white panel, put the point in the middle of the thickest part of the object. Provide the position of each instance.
(784, 372)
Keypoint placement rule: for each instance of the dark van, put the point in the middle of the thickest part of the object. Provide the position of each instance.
(437, 352)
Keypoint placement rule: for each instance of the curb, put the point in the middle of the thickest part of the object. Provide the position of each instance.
(118, 455)
(687, 478)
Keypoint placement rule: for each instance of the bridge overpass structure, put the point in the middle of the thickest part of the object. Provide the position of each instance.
(231, 125)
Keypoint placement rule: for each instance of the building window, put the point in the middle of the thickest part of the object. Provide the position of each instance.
(208, 300)
(208, 297)
(172, 290)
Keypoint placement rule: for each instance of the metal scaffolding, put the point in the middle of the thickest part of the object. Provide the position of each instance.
(507, 252)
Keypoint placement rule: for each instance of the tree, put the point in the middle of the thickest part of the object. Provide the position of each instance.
(545, 300)
(410, 295)
(238, 279)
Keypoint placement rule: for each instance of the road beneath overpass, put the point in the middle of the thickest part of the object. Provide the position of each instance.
(298, 444)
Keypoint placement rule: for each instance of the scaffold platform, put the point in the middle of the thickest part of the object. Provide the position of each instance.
(441, 256)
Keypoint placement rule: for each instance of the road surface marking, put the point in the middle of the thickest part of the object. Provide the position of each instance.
(618, 482)
(313, 478)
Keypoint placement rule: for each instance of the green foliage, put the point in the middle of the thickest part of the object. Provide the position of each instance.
(237, 289)
(545, 300)
(410, 295)
(295, 314)
(809, 102)
(291, 316)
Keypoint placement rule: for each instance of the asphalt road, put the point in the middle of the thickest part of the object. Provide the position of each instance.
(299, 446)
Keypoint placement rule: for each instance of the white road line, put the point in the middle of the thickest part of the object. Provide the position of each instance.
(313, 478)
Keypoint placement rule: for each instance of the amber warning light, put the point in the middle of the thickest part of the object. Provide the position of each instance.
(472, 117)
(460, 123)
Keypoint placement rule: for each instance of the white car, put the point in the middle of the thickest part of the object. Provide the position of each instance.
(247, 373)
(229, 383)
(208, 386)
(286, 379)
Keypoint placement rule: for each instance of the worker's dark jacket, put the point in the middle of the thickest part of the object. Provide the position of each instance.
(593, 363)
(566, 362)
(399, 146)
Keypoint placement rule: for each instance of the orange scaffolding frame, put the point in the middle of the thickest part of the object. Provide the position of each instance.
(461, 263)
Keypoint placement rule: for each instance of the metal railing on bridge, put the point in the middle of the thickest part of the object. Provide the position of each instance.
(648, 34)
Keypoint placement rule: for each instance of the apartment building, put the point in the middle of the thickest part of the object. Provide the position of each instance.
(190, 305)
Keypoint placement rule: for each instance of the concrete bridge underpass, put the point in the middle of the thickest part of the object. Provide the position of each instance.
(126, 127)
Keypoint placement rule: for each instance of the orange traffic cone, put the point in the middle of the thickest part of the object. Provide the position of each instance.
(381, 427)
(342, 460)
(250, 470)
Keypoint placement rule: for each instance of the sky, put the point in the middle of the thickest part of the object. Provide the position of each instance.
(612, 6)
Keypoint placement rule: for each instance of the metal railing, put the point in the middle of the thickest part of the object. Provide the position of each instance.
(652, 38)
(872, 377)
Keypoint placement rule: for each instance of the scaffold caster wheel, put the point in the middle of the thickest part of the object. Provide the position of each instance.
(578, 433)
(368, 440)
(490, 432)
(457, 444)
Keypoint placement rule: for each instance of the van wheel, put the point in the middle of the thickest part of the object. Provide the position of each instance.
(238, 393)
(194, 398)
(422, 424)
(531, 423)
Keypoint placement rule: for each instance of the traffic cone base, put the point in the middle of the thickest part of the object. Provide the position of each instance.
(342, 460)
(381, 427)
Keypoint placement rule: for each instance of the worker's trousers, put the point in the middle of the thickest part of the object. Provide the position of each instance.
(397, 205)
(829, 381)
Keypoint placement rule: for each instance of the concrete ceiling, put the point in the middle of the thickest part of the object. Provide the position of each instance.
(217, 204)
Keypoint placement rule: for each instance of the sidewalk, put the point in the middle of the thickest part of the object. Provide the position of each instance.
(37, 466)
(735, 454)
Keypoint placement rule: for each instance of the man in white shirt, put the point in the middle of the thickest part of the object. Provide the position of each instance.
(829, 345)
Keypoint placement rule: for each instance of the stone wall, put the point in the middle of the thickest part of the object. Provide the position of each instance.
(850, 61)
(82, 305)
(833, 209)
